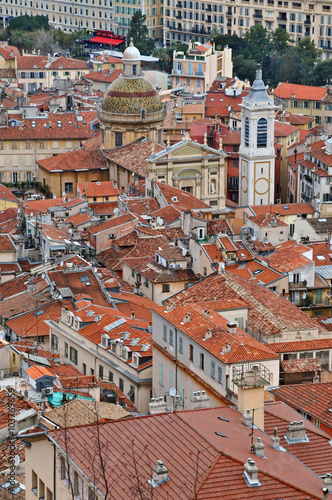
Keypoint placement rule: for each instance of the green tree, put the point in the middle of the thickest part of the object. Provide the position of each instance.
(244, 68)
(28, 23)
(280, 41)
(20, 40)
(165, 55)
(322, 73)
(139, 33)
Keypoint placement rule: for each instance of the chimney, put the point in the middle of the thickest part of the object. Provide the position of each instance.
(157, 405)
(247, 419)
(296, 432)
(159, 474)
(275, 440)
(170, 306)
(328, 482)
(227, 348)
(231, 326)
(325, 492)
(258, 447)
(187, 318)
(206, 313)
(132, 315)
(208, 334)
(199, 399)
(251, 473)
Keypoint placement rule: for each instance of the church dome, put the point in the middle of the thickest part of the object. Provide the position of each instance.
(131, 52)
(130, 95)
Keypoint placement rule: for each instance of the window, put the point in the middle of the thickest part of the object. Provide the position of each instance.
(84, 368)
(66, 350)
(213, 369)
(121, 384)
(41, 145)
(201, 361)
(166, 288)
(165, 332)
(246, 131)
(180, 344)
(318, 105)
(110, 376)
(262, 133)
(131, 394)
(191, 352)
(68, 187)
(160, 373)
(73, 355)
(54, 342)
(219, 374)
(171, 340)
(118, 139)
(101, 372)
(34, 482)
(14, 145)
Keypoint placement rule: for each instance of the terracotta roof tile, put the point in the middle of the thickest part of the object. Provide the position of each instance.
(5, 193)
(186, 201)
(134, 156)
(169, 214)
(74, 161)
(306, 92)
(256, 272)
(294, 119)
(79, 219)
(104, 76)
(301, 365)
(115, 222)
(289, 256)
(283, 129)
(292, 209)
(267, 220)
(104, 188)
(37, 372)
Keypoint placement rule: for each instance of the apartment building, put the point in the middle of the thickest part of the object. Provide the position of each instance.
(200, 66)
(152, 9)
(185, 20)
(67, 15)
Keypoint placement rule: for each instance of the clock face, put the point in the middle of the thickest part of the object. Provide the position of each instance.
(244, 184)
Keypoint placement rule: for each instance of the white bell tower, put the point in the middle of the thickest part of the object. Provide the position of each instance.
(256, 175)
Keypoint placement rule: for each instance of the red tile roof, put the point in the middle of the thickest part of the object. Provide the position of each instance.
(292, 209)
(301, 365)
(112, 223)
(68, 63)
(41, 206)
(37, 372)
(31, 62)
(73, 281)
(256, 272)
(9, 52)
(99, 188)
(313, 399)
(283, 129)
(133, 156)
(79, 219)
(142, 206)
(5, 193)
(268, 313)
(305, 92)
(294, 119)
(244, 348)
(71, 127)
(6, 244)
(322, 254)
(104, 76)
(156, 273)
(169, 214)
(220, 103)
(267, 220)
(7, 214)
(213, 252)
(186, 201)
(289, 256)
(301, 345)
(20, 404)
(79, 160)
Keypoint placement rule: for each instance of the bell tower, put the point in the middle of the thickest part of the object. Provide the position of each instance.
(257, 156)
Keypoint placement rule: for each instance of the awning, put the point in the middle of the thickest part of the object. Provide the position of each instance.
(106, 41)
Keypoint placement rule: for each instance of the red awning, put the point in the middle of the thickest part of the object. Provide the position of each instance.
(106, 41)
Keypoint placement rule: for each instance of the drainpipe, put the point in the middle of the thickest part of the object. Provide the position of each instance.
(176, 357)
(54, 472)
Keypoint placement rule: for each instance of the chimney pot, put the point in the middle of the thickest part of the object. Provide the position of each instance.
(328, 482)
(258, 447)
(231, 326)
(296, 432)
(247, 419)
(187, 318)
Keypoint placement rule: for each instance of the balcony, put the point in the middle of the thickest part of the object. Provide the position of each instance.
(257, 376)
(307, 22)
(258, 15)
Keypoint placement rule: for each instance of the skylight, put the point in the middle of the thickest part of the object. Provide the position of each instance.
(320, 257)
(117, 323)
(39, 313)
(84, 279)
(322, 220)
(285, 207)
(258, 271)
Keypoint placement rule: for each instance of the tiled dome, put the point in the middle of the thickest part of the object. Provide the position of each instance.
(130, 95)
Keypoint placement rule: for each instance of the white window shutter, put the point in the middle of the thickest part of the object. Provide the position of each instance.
(66, 480)
(87, 492)
(290, 277)
(73, 481)
(80, 488)
(59, 465)
(301, 276)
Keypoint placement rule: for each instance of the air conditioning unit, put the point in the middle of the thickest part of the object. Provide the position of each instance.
(255, 367)
(172, 266)
(48, 391)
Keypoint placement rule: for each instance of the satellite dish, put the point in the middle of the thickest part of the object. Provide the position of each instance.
(294, 236)
(304, 295)
(17, 460)
(253, 238)
(172, 392)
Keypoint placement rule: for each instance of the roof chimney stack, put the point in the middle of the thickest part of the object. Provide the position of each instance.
(251, 473)
(296, 432)
(275, 440)
(206, 313)
(247, 419)
(328, 482)
(208, 334)
(231, 326)
(258, 447)
(159, 474)
(187, 318)
(170, 306)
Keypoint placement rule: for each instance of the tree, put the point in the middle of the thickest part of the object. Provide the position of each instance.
(20, 40)
(165, 55)
(322, 73)
(139, 33)
(28, 23)
(46, 42)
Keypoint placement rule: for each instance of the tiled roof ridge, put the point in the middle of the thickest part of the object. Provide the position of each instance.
(261, 309)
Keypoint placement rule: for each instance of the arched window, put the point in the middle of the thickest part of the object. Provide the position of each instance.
(246, 131)
(262, 133)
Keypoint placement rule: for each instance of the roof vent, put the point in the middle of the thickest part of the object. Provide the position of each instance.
(174, 199)
(296, 433)
(206, 313)
(227, 348)
(187, 318)
(170, 306)
(258, 447)
(251, 473)
(328, 482)
(157, 405)
(159, 474)
(247, 419)
(231, 326)
(208, 334)
(275, 440)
